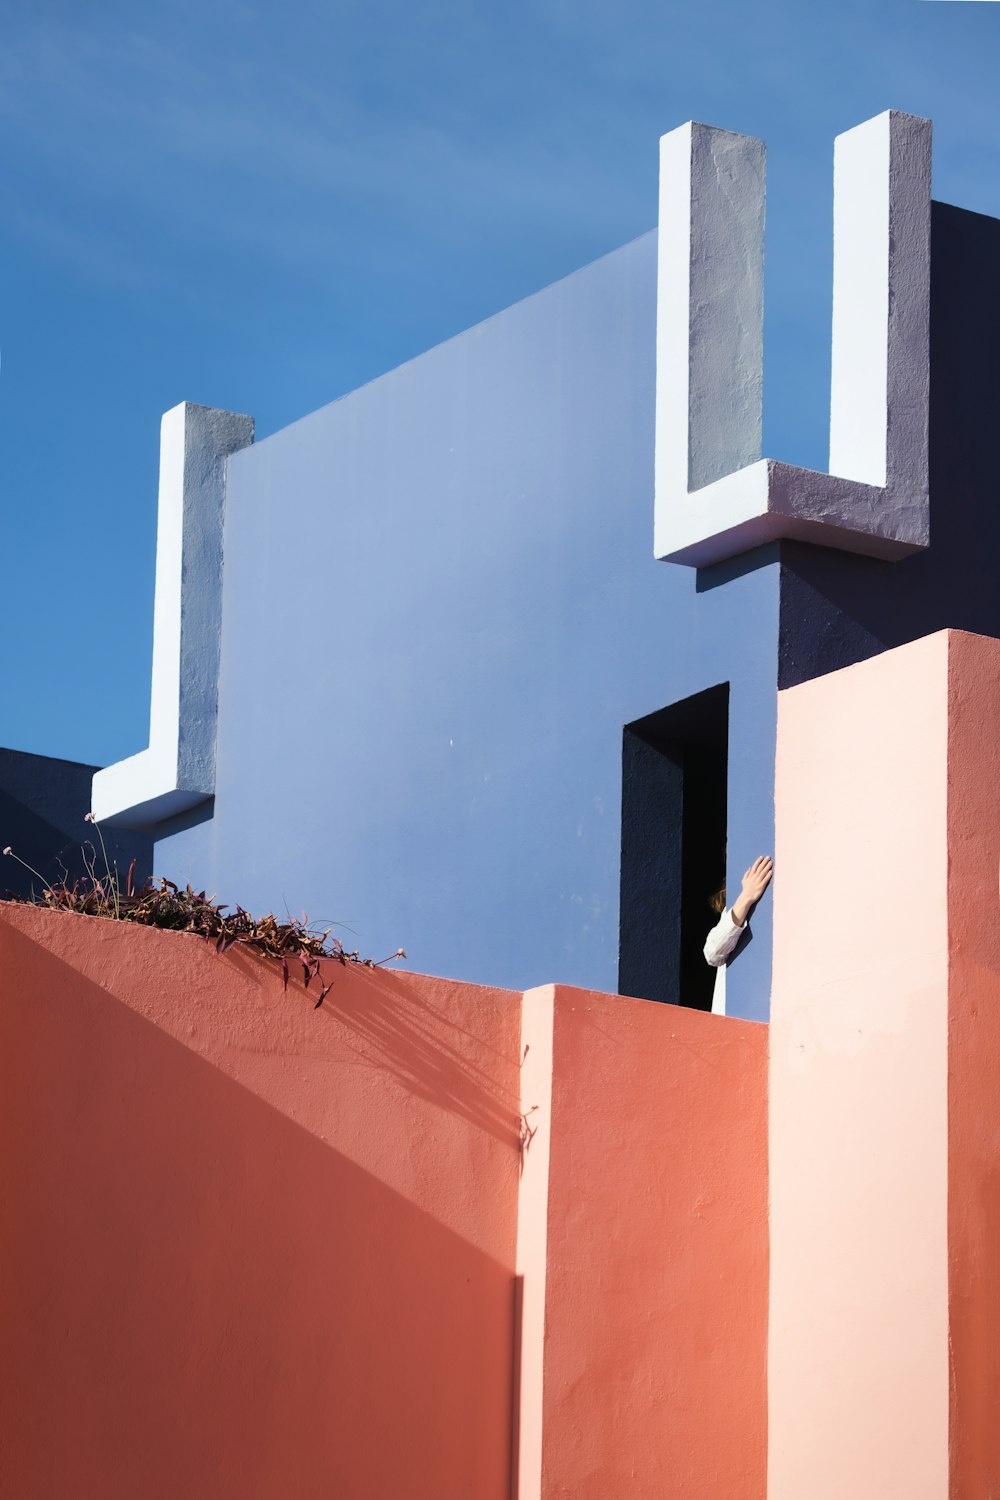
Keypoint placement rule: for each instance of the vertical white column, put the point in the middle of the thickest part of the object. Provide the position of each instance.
(194, 596)
(178, 768)
(881, 305)
(710, 306)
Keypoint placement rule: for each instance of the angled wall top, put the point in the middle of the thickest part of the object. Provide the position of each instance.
(715, 495)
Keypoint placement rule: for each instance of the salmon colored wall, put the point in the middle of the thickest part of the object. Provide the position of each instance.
(858, 1343)
(253, 1249)
(656, 1290)
(250, 1249)
(974, 1063)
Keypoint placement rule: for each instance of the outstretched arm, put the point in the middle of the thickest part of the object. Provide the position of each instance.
(729, 929)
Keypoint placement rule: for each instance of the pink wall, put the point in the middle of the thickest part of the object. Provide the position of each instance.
(858, 1346)
(250, 1249)
(655, 1307)
(884, 1340)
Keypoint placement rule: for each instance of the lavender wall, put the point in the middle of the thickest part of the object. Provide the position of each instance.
(440, 609)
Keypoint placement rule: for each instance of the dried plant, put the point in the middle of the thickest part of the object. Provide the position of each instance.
(161, 903)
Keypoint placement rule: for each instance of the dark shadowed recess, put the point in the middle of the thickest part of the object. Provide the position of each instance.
(837, 608)
(43, 804)
(674, 770)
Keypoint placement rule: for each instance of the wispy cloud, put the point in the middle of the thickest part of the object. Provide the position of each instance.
(219, 150)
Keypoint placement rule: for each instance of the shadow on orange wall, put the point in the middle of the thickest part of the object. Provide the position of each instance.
(212, 1300)
(432, 1056)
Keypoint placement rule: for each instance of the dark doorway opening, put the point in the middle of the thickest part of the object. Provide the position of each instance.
(674, 769)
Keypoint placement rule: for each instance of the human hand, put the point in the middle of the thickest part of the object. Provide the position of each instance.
(755, 882)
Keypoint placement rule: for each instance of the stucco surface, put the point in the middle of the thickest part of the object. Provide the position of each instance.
(656, 1287)
(177, 769)
(253, 1248)
(440, 609)
(884, 1121)
(974, 1063)
(859, 1099)
(250, 1248)
(533, 1237)
(710, 308)
(715, 495)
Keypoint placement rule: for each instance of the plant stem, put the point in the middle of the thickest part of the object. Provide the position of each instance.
(112, 879)
(24, 862)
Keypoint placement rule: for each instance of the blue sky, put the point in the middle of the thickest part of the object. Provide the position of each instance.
(260, 207)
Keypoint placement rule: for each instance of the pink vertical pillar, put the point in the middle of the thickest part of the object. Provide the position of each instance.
(885, 1069)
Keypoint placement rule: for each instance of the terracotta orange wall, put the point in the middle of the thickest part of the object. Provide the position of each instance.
(250, 1248)
(255, 1249)
(655, 1300)
(974, 1063)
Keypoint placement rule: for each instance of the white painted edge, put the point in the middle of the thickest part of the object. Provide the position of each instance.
(875, 500)
(177, 770)
(859, 387)
(710, 306)
(880, 375)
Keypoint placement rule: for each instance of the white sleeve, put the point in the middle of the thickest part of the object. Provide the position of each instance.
(723, 939)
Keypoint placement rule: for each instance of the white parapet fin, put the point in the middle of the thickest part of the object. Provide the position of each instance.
(716, 496)
(177, 771)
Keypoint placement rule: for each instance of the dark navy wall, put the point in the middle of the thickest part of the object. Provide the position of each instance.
(836, 608)
(43, 803)
(440, 609)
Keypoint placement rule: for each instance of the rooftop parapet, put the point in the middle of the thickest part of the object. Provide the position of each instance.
(716, 496)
